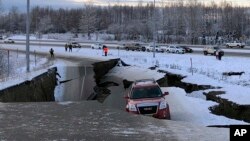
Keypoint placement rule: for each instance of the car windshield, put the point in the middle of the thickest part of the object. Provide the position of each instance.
(146, 92)
(217, 48)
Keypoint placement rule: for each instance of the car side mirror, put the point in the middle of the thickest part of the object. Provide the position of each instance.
(165, 93)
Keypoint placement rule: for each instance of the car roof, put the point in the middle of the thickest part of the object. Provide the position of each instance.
(145, 83)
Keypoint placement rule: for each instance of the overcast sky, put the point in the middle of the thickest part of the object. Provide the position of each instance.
(21, 4)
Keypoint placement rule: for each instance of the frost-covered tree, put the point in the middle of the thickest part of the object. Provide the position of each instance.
(88, 20)
(45, 25)
(174, 20)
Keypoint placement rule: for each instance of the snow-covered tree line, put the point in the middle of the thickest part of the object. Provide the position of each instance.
(175, 22)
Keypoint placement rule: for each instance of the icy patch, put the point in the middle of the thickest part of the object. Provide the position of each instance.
(65, 103)
(133, 73)
(127, 131)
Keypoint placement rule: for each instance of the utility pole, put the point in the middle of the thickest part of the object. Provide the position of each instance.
(154, 30)
(28, 36)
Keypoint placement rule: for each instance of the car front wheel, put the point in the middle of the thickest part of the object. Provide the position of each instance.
(205, 53)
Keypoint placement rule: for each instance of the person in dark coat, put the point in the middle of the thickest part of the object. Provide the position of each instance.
(51, 53)
(220, 55)
(70, 48)
(66, 47)
(103, 49)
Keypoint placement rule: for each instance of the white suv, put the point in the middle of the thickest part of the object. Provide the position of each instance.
(97, 46)
(9, 41)
(212, 50)
(151, 48)
(164, 48)
(175, 49)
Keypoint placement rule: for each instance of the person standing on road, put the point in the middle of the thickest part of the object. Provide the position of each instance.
(106, 51)
(103, 49)
(70, 48)
(217, 54)
(66, 47)
(51, 53)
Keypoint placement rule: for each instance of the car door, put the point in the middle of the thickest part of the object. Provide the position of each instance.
(172, 49)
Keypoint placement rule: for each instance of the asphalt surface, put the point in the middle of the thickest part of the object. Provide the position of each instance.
(89, 120)
(197, 49)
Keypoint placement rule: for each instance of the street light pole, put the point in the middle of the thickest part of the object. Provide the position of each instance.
(28, 36)
(154, 30)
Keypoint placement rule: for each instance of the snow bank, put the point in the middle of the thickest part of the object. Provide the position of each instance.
(194, 110)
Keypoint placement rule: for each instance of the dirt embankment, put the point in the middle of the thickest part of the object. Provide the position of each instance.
(39, 89)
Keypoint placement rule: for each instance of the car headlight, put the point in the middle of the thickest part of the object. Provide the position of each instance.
(163, 105)
(131, 107)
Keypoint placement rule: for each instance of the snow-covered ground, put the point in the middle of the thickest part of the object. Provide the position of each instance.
(17, 71)
(206, 70)
(194, 110)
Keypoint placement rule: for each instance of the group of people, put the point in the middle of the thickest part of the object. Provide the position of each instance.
(68, 46)
(51, 51)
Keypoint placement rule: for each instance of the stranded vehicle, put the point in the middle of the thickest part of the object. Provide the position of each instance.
(235, 44)
(74, 44)
(175, 49)
(187, 49)
(151, 48)
(9, 41)
(145, 97)
(134, 46)
(96, 46)
(212, 50)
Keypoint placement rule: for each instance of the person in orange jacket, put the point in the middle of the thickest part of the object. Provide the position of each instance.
(106, 51)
